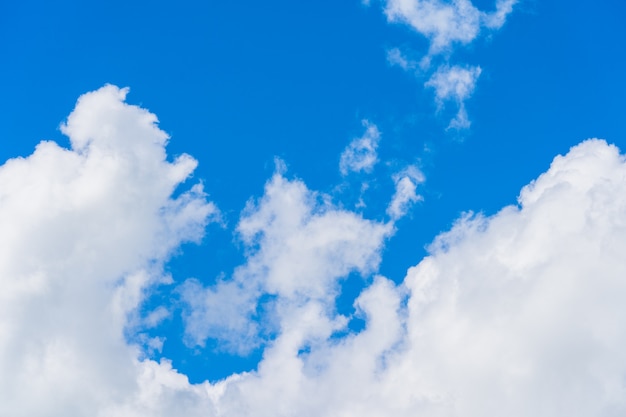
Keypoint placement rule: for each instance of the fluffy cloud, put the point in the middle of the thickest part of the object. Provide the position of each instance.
(360, 155)
(454, 84)
(445, 23)
(84, 233)
(518, 314)
(299, 248)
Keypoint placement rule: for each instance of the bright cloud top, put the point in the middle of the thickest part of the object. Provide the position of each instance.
(518, 314)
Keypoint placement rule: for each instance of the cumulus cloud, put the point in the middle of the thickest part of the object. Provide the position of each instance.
(360, 155)
(84, 232)
(518, 314)
(454, 84)
(446, 23)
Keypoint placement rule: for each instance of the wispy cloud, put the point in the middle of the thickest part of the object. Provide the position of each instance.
(445, 24)
(360, 155)
(454, 84)
(406, 183)
(396, 57)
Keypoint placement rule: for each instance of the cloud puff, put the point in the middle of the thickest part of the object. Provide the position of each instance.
(406, 182)
(454, 84)
(445, 23)
(360, 155)
(299, 248)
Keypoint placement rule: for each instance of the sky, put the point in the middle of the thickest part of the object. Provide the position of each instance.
(355, 208)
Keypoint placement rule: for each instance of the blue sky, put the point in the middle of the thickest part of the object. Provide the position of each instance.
(257, 92)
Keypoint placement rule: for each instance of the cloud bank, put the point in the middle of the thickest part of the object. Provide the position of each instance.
(517, 314)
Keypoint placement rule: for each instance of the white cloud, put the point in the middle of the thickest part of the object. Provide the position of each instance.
(496, 19)
(454, 84)
(396, 57)
(446, 23)
(300, 247)
(461, 120)
(518, 314)
(360, 155)
(84, 231)
(406, 183)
